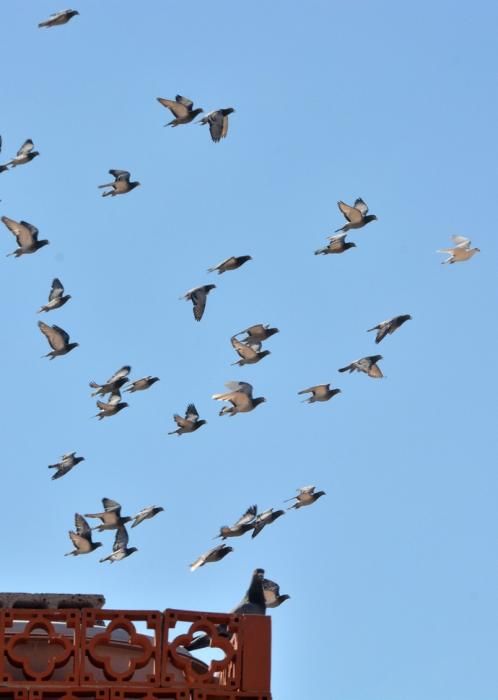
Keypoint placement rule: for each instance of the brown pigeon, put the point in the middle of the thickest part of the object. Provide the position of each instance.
(58, 340)
(141, 384)
(461, 252)
(114, 405)
(26, 236)
(305, 497)
(181, 108)
(146, 514)
(190, 423)
(320, 392)
(120, 549)
(257, 333)
(68, 461)
(368, 365)
(198, 297)
(243, 524)
(58, 18)
(24, 155)
(81, 537)
(111, 516)
(230, 264)
(113, 384)
(249, 354)
(337, 244)
(121, 184)
(241, 398)
(212, 555)
(357, 216)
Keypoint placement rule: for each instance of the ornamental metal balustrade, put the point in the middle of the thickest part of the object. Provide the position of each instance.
(100, 654)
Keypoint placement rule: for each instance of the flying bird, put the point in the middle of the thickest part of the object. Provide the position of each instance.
(257, 333)
(267, 517)
(388, 327)
(337, 244)
(146, 514)
(249, 354)
(141, 384)
(181, 109)
(120, 549)
(241, 398)
(368, 365)
(24, 155)
(56, 298)
(114, 405)
(243, 525)
(461, 251)
(81, 537)
(272, 595)
(26, 236)
(198, 297)
(121, 184)
(230, 264)
(111, 516)
(305, 497)
(113, 384)
(68, 461)
(58, 18)
(357, 216)
(190, 423)
(218, 123)
(58, 340)
(211, 556)
(320, 392)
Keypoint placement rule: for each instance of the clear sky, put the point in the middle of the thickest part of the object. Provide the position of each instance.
(393, 574)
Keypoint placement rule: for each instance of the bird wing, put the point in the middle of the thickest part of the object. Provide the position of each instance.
(25, 233)
(220, 264)
(461, 241)
(256, 330)
(337, 237)
(243, 387)
(177, 108)
(120, 174)
(81, 543)
(247, 517)
(352, 214)
(111, 506)
(121, 372)
(199, 297)
(121, 539)
(181, 99)
(191, 413)
(217, 127)
(26, 148)
(375, 372)
(63, 334)
(224, 131)
(247, 352)
(306, 489)
(271, 591)
(361, 206)
(57, 289)
(53, 335)
(81, 526)
(114, 398)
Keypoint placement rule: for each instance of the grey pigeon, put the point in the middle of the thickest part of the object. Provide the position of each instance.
(114, 383)
(58, 18)
(357, 216)
(267, 517)
(111, 516)
(460, 252)
(258, 332)
(243, 524)
(272, 594)
(81, 537)
(141, 384)
(68, 461)
(211, 556)
(230, 264)
(120, 549)
(249, 354)
(121, 184)
(26, 236)
(388, 327)
(181, 109)
(320, 392)
(24, 155)
(58, 340)
(218, 123)
(56, 298)
(145, 514)
(114, 405)
(198, 296)
(337, 244)
(241, 398)
(305, 497)
(368, 365)
(190, 423)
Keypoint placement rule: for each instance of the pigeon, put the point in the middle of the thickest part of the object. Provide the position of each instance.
(337, 244)
(272, 595)
(114, 383)
(265, 518)
(462, 250)
(145, 514)
(120, 549)
(230, 264)
(56, 298)
(306, 496)
(243, 525)
(357, 216)
(367, 365)
(113, 405)
(181, 108)
(58, 340)
(190, 423)
(68, 461)
(218, 123)
(388, 327)
(240, 396)
(26, 236)
(258, 332)
(211, 556)
(249, 354)
(24, 155)
(121, 184)
(81, 537)
(58, 18)
(141, 384)
(320, 392)
(198, 296)
(111, 516)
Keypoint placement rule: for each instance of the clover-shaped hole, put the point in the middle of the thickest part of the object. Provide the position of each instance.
(128, 649)
(38, 652)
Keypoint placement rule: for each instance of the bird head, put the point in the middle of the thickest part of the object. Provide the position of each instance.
(318, 494)
(96, 544)
(42, 243)
(201, 422)
(259, 573)
(131, 550)
(153, 380)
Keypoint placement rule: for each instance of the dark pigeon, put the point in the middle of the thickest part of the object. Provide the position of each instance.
(68, 461)
(56, 298)
(81, 537)
(320, 392)
(267, 517)
(111, 516)
(368, 365)
(146, 514)
(141, 384)
(230, 264)
(218, 123)
(58, 340)
(26, 237)
(388, 327)
(243, 524)
(120, 549)
(58, 18)
(198, 296)
(121, 184)
(211, 556)
(114, 405)
(190, 423)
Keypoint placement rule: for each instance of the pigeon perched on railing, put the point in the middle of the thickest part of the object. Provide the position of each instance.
(120, 549)
(111, 516)
(121, 184)
(56, 298)
(58, 339)
(81, 537)
(218, 123)
(320, 392)
(230, 264)
(368, 365)
(388, 327)
(58, 18)
(181, 108)
(26, 237)
(357, 216)
(68, 461)
(211, 556)
(241, 398)
(190, 423)
(305, 497)
(198, 297)
(461, 251)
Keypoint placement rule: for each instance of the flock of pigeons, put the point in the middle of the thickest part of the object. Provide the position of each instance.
(247, 344)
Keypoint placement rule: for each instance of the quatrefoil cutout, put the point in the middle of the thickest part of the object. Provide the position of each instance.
(217, 642)
(105, 660)
(57, 650)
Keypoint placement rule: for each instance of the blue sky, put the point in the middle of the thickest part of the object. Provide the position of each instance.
(393, 575)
